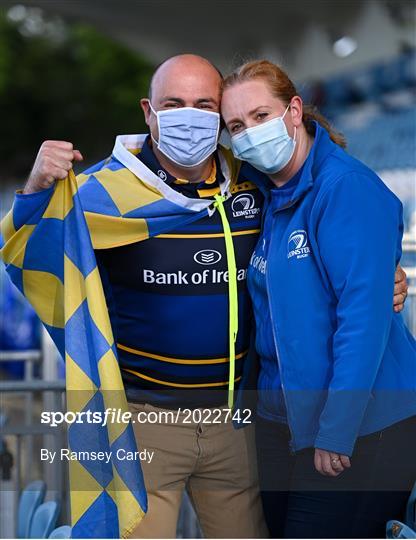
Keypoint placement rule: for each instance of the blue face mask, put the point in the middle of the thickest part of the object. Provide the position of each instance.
(267, 147)
(187, 136)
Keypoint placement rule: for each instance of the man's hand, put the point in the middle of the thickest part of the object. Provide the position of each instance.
(400, 289)
(53, 162)
(330, 463)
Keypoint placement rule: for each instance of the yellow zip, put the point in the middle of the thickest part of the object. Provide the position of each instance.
(232, 294)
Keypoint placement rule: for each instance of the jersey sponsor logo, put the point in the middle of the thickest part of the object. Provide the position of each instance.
(244, 205)
(297, 245)
(207, 256)
(206, 277)
(197, 270)
(168, 266)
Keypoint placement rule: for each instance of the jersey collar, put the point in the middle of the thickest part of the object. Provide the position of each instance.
(125, 149)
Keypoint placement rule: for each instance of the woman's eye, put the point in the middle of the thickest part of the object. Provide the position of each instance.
(261, 116)
(235, 128)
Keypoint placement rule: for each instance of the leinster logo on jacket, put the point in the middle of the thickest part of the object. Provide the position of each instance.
(297, 245)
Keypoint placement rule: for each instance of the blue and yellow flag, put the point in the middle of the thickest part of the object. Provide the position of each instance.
(49, 241)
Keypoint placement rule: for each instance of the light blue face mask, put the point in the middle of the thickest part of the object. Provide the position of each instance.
(187, 136)
(267, 147)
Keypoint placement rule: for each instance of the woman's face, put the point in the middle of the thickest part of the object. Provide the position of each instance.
(251, 103)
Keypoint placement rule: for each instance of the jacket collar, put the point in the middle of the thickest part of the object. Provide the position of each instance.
(321, 148)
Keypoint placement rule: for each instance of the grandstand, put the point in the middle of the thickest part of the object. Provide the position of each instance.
(375, 108)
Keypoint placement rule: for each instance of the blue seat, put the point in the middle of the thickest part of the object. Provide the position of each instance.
(44, 520)
(32, 497)
(337, 91)
(409, 68)
(3, 421)
(364, 83)
(61, 532)
(411, 510)
(397, 529)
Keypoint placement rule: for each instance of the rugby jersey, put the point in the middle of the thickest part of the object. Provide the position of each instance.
(168, 298)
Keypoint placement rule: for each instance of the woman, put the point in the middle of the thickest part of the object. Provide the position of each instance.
(336, 424)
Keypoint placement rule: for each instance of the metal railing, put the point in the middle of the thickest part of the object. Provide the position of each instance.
(20, 435)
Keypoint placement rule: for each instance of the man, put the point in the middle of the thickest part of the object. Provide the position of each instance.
(168, 303)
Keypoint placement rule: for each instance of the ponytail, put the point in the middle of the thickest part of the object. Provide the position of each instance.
(311, 113)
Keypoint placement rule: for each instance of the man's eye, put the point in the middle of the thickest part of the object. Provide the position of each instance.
(206, 106)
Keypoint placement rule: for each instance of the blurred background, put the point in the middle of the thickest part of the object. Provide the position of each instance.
(75, 70)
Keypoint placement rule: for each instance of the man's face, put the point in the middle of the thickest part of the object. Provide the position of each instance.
(183, 82)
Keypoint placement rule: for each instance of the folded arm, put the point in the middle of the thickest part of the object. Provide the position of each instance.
(359, 238)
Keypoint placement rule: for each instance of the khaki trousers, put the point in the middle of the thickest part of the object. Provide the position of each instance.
(214, 462)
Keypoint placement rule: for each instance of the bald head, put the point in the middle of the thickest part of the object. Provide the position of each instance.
(184, 66)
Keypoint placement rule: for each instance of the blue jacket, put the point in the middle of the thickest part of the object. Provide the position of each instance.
(347, 361)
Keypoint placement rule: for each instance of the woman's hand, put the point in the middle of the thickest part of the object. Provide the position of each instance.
(330, 463)
(400, 289)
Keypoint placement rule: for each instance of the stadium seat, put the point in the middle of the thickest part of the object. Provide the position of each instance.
(397, 529)
(30, 499)
(3, 421)
(44, 520)
(337, 91)
(411, 510)
(61, 532)
(364, 84)
(409, 68)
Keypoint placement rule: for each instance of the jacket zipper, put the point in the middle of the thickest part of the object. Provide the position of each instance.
(291, 442)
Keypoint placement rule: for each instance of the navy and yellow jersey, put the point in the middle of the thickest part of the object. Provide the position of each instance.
(168, 297)
(49, 242)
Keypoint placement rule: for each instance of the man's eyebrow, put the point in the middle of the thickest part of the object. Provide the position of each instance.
(207, 99)
(182, 102)
(174, 99)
